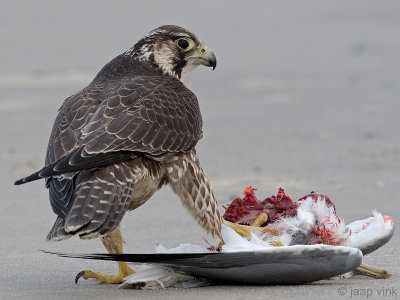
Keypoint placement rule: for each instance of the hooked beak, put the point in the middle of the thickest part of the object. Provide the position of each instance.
(205, 57)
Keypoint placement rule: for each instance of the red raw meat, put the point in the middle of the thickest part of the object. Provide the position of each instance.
(245, 211)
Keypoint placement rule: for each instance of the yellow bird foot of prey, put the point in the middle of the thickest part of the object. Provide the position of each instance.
(101, 277)
(245, 230)
(373, 272)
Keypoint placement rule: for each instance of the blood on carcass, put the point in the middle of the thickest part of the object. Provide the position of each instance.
(246, 210)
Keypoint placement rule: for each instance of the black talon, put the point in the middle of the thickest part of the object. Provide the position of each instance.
(79, 275)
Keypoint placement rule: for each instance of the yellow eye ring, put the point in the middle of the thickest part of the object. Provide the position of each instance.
(184, 43)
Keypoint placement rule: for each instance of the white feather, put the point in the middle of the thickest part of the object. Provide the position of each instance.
(371, 232)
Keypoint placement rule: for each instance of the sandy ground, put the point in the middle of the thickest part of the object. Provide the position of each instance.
(305, 96)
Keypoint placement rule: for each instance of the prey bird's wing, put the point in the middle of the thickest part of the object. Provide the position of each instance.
(275, 265)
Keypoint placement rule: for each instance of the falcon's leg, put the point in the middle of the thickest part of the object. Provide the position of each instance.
(188, 180)
(113, 243)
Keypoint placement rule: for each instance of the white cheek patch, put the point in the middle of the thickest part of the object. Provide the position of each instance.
(163, 57)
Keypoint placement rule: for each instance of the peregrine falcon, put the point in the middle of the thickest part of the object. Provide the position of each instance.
(132, 130)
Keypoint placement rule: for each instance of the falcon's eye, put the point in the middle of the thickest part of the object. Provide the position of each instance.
(185, 44)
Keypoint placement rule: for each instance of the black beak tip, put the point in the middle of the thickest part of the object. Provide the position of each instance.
(213, 63)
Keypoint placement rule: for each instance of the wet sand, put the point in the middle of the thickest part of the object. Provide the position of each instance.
(305, 96)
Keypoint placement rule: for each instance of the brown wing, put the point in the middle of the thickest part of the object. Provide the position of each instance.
(154, 115)
(72, 117)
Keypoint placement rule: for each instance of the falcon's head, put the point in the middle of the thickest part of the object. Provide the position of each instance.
(174, 50)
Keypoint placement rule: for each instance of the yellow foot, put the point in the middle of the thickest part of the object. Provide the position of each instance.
(246, 231)
(101, 277)
(373, 272)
